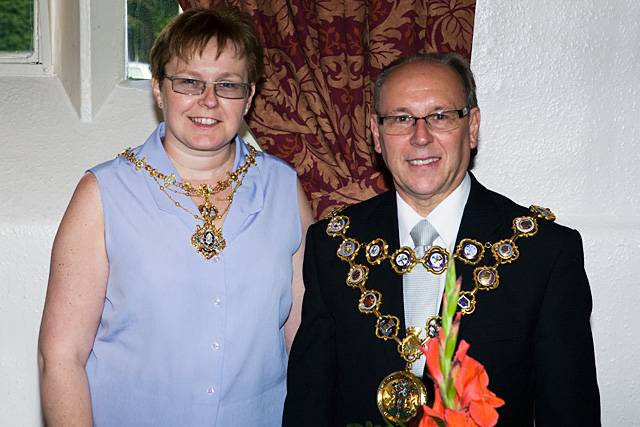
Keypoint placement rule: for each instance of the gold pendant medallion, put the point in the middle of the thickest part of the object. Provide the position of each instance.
(208, 240)
(400, 396)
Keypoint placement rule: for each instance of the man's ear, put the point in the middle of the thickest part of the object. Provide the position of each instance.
(474, 127)
(375, 133)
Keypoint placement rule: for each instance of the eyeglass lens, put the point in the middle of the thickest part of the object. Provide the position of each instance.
(186, 86)
(440, 122)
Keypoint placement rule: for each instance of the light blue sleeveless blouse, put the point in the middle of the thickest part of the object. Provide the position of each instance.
(185, 341)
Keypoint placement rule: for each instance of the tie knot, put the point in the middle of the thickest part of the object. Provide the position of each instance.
(423, 234)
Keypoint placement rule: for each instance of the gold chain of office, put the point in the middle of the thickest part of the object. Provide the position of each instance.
(401, 394)
(207, 239)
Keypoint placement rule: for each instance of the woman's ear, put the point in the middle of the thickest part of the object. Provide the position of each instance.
(250, 99)
(157, 93)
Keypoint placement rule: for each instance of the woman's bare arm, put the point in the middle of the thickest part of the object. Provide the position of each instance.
(73, 306)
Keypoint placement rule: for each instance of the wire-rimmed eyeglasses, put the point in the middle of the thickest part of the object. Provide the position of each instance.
(223, 89)
(440, 121)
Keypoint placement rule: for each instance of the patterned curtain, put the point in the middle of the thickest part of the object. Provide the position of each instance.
(322, 58)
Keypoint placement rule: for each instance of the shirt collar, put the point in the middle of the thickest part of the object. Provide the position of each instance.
(445, 217)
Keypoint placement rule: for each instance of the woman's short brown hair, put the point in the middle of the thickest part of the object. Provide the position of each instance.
(189, 33)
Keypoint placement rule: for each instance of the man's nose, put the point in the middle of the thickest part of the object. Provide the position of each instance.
(422, 133)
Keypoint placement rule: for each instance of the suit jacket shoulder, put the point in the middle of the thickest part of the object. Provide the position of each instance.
(532, 330)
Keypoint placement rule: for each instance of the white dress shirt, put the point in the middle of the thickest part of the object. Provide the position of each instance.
(445, 218)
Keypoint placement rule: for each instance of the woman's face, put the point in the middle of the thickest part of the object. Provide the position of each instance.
(207, 122)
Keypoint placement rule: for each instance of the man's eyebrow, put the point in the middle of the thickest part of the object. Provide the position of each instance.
(405, 110)
(400, 110)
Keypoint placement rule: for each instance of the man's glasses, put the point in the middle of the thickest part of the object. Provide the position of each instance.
(440, 121)
(223, 89)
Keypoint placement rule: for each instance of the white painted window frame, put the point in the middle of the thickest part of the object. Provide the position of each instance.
(38, 62)
(82, 43)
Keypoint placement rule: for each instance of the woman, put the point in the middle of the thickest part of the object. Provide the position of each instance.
(175, 280)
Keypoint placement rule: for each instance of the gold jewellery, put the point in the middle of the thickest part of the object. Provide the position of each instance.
(401, 394)
(207, 239)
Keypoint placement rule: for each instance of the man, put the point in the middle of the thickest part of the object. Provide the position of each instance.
(526, 296)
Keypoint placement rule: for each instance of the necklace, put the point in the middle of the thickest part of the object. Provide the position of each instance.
(207, 239)
(401, 394)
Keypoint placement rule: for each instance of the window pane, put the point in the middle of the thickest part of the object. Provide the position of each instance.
(145, 20)
(16, 26)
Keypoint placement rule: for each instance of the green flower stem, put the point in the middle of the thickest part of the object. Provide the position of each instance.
(450, 335)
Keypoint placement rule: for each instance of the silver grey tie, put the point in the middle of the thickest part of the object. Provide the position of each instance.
(420, 287)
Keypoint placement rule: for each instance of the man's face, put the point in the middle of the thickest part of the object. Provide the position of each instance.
(426, 165)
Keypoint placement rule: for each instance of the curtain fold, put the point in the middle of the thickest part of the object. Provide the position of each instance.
(321, 60)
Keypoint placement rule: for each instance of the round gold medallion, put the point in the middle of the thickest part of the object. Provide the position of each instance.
(525, 226)
(400, 396)
(337, 225)
(469, 251)
(348, 249)
(357, 275)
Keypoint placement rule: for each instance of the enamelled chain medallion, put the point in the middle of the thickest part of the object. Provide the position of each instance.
(401, 394)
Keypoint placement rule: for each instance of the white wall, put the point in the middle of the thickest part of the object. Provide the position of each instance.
(558, 90)
(45, 150)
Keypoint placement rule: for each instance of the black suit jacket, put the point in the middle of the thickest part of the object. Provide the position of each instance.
(532, 333)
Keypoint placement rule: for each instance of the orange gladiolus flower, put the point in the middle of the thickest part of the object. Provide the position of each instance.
(475, 403)
(471, 381)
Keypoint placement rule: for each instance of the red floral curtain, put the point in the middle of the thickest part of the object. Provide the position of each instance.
(322, 58)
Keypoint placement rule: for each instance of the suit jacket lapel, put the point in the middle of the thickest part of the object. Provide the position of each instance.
(383, 223)
(481, 221)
